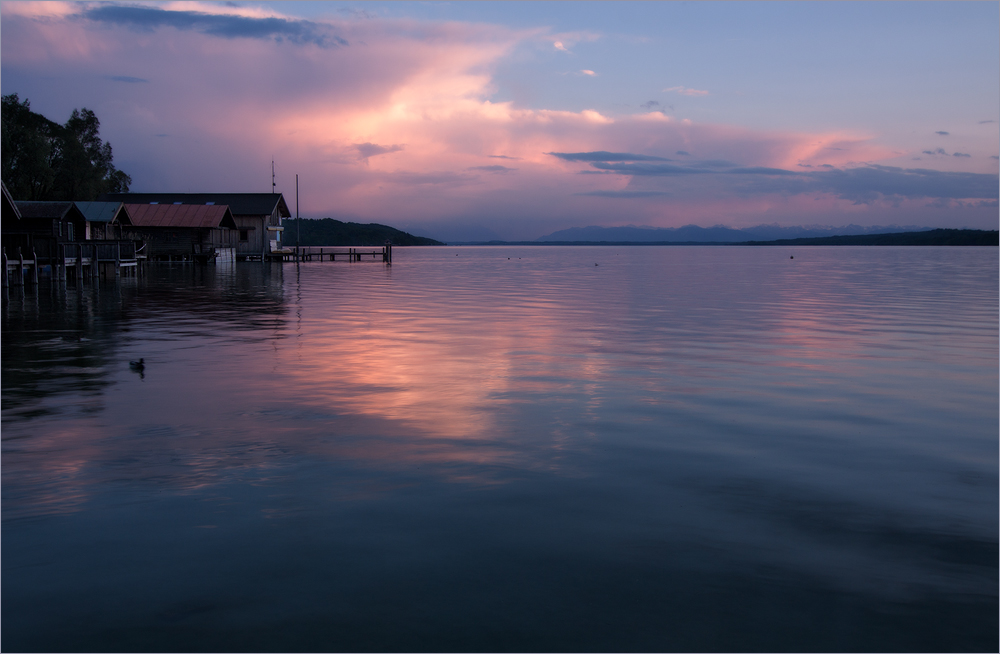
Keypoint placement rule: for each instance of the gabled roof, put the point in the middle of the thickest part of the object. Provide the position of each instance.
(9, 208)
(51, 210)
(241, 204)
(104, 212)
(181, 215)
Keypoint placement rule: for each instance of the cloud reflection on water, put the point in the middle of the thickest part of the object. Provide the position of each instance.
(750, 425)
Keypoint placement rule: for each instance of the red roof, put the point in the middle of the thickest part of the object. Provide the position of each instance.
(181, 215)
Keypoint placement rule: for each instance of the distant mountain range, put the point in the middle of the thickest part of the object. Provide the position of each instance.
(717, 234)
(929, 237)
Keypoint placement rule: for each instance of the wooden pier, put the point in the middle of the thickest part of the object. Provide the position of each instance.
(316, 253)
(80, 260)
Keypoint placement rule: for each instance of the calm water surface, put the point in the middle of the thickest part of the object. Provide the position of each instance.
(678, 448)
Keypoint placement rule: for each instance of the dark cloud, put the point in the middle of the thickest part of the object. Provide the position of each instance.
(861, 185)
(222, 25)
(126, 79)
(650, 104)
(942, 133)
(601, 155)
(355, 13)
(760, 170)
(624, 194)
(938, 151)
(712, 166)
(683, 153)
(648, 170)
(993, 156)
(717, 163)
(984, 122)
(503, 156)
(492, 169)
(869, 183)
(961, 154)
(366, 150)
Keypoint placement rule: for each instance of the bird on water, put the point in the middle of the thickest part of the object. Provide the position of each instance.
(139, 365)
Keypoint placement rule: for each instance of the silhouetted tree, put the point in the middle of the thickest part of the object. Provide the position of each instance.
(29, 150)
(43, 160)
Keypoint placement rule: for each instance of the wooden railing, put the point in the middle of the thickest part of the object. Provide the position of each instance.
(316, 253)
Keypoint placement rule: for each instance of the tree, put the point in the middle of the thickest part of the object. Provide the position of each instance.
(29, 149)
(43, 160)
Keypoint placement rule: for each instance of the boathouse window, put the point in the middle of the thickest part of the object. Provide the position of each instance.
(244, 235)
(69, 232)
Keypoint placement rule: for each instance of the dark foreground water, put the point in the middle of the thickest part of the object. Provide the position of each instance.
(680, 448)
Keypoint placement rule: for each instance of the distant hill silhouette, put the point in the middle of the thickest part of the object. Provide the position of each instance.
(328, 231)
(932, 237)
(717, 234)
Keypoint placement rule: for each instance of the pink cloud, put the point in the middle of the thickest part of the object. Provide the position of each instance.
(398, 126)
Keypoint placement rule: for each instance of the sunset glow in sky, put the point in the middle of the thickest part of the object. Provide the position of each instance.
(512, 120)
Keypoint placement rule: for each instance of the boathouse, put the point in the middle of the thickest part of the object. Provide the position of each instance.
(60, 237)
(104, 219)
(183, 232)
(9, 208)
(44, 227)
(257, 216)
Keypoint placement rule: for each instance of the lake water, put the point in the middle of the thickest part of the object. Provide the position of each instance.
(511, 448)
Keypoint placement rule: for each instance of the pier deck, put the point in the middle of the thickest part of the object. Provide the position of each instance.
(329, 253)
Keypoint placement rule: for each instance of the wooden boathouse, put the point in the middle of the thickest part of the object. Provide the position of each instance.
(57, 236)
(258, 217)
(183, 232)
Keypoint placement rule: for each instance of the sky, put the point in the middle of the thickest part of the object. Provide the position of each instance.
(469, 121)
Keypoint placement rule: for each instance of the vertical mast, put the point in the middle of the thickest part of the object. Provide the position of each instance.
(298, 221)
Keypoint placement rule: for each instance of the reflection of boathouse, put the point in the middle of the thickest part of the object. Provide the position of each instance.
(257, 216)
(183, 232)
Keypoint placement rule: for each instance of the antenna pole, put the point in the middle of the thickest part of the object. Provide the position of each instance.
(273, 185)
(298, 221)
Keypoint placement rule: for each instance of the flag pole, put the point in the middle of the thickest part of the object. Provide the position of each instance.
(298, 221)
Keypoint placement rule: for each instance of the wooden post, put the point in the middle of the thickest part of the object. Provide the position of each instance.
(20, 266)
(298, 221)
